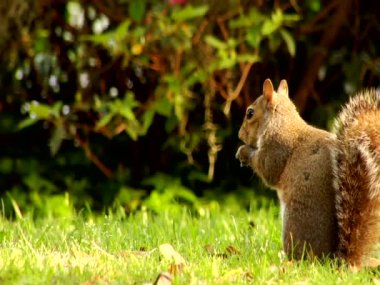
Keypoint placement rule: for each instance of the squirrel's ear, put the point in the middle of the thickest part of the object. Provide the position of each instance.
(268, 90)
(283, 88)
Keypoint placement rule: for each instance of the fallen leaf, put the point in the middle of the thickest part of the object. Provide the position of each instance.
(176, 268)
(164, 278)
(210, 249)
(177, 261)
(231, 250)
(168, 252)
(249, 276)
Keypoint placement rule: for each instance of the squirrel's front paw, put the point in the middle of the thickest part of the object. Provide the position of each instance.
(244, 154)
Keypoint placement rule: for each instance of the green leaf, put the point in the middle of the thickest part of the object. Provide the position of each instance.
(122, 30)
(104, 120)
(130, 99)
(59, 134)
(56, 109)
(215, 42)
(226, 63)
(314, 5)
(127, 113)
(189, 12)
(102, 39)
(198, 76)
(254, 17)
(269, 27)
(241, 22)
(278, 17)
(248, 58)
(26, 123)
(147, 120)
(163, 107)
(254, 36)
(120, 33)
(171, 123)
(291, 17)
(179, 105)
(126, 107)
(275, 42)
(133, 129)
(136, 9)
(273, 23)
(41, 111)
(289, 40)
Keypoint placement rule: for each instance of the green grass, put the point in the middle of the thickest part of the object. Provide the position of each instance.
(220, 245)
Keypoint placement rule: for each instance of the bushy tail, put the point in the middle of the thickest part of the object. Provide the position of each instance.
(357, 177)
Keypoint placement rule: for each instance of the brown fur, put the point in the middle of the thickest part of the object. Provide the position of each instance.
(357, 177)
(294, 159)
(328, 184)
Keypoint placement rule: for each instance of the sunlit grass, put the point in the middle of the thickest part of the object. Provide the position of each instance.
(220, 245)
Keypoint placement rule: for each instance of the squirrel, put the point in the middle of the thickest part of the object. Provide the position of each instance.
(328, 183)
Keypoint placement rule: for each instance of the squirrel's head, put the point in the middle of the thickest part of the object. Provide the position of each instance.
(259, 113)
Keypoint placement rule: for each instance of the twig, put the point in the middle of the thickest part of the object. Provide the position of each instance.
(295, 6)
(87, 150)
(223, 28)
(177, 62)
(216, 86)
(241, 82)
(201, 29)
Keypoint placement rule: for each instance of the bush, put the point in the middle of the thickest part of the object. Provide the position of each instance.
(101, 95)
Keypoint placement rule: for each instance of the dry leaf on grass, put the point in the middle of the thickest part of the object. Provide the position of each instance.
(164, 278)
(230, 250)
(177, 261)
(210, 249)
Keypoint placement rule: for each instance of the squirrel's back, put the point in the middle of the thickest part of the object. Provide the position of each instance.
(357, 177)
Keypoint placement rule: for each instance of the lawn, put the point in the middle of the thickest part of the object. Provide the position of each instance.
(215, 244)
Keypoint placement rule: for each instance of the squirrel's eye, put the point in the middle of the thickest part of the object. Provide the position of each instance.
(250, 113)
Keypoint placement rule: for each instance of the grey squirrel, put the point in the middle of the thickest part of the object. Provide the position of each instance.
(328, 183)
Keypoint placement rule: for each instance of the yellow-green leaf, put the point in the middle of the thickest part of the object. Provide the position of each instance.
(289, 40)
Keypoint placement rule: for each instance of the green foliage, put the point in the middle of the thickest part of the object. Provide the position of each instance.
(189, 12)
(137, 10)
(101, 96)
(169, 194)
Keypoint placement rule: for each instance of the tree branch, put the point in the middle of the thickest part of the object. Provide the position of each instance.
(94, 159)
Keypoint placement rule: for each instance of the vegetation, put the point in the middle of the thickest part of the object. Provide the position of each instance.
(101, 97)
(118, 129)
(218, 244)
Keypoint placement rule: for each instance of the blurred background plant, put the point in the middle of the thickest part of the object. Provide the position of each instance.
(125, 101)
